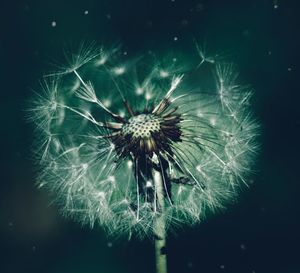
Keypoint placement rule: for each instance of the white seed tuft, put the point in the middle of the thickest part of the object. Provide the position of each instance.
(76, 125)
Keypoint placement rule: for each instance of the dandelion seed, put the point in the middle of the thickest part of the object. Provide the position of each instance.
(140, 149)
(119, 70)
(107, 103)
(243, 247)
(148, 96)
(164, 74)
(139, 91)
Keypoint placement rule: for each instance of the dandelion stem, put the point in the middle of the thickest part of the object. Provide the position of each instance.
(160, 226)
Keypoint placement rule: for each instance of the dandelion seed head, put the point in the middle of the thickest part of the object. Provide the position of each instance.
(103, 128)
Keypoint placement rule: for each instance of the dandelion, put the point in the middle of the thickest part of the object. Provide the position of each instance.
(142, 146)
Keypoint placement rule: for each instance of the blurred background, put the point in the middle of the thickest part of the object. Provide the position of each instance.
(259, 234)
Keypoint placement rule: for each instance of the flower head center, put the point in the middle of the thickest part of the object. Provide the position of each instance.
(144, 134)
(142, 126)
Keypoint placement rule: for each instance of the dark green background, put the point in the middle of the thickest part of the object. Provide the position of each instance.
(259, 234)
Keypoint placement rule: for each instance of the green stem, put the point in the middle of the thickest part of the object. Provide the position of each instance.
(160, 226)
